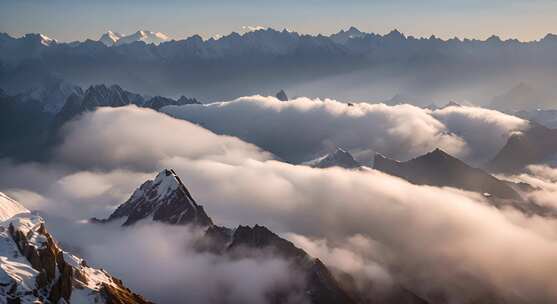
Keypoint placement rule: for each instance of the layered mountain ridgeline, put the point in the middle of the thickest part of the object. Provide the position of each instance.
(29, 126)
(34, 269)
(338, 158)
(537, 144)
(112, 96)
(438, 168)
(259, 61)
(166, 199)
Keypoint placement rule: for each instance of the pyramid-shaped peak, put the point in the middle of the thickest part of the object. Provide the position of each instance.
(395, 34)
(164, 199)
(354, 30)
(167, 182)
(339, 150)
(437, 153)
(337, 158)
(281, 95)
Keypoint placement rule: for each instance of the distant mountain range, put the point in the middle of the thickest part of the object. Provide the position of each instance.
(111, 38)
(260, 61)
(35, 269)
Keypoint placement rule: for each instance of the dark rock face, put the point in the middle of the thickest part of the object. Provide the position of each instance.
(23, 127)
(339, 158)
(166, 199)
(535, 145)
(438, 168)
(281, 95)
(45, 260)
(158, 102)
(94, 97)
(321, 286)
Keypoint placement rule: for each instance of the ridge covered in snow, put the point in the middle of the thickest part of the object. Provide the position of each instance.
(34, 269)
(10, 207)
(111, 38)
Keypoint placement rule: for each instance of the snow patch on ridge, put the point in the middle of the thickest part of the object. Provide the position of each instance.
(9, 207)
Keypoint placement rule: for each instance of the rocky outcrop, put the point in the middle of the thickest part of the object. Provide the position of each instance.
(94, 97)
(47, 259)
(321, 286)
(36, 270)
(158, 102)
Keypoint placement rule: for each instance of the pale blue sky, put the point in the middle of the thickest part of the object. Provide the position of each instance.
(79, 19)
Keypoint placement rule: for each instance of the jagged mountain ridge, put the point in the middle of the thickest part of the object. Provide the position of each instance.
(111, 96)
(218, 68)
(111, 38)
(438, 168)
(166, 199)
(321, 286)
(157, 102)
(34, 269)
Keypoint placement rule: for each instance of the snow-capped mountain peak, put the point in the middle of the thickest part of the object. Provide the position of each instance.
(110, 37)
(145, 36)
(252, 28)
(35, 269)
(166, 182)
(43, 39)
(163, 199)
(344, 36)
(338, 158)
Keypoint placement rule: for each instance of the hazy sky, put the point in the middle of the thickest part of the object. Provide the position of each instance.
(79, 19)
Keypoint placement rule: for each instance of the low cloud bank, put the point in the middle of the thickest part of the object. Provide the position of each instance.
(302, 129)
(440, 243)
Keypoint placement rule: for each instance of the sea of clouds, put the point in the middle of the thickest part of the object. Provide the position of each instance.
(440, 243)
